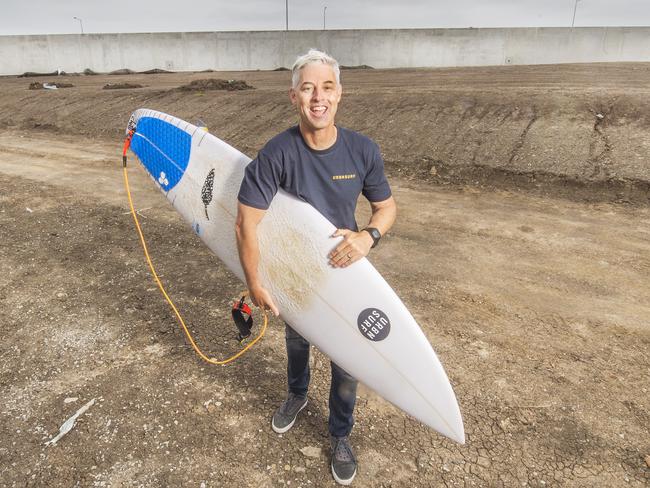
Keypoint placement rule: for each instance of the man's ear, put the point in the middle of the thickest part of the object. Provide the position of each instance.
(292, 96)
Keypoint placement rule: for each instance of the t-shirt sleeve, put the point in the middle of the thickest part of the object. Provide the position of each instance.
(261, 182)
(375, 184)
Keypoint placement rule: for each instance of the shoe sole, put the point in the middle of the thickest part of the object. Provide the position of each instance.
(339, 480)
(282, 430)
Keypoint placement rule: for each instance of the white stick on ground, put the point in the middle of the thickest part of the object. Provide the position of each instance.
(69, 424)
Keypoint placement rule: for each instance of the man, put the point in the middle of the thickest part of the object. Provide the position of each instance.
(327, 166)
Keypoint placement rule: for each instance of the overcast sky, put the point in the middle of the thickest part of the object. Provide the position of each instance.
(56, 16)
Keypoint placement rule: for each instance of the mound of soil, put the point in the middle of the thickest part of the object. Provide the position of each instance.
(124, 71)
(360, 66)
(89, 72)
(155, 71)
(121, 86)
(574, 130)
(216, 84)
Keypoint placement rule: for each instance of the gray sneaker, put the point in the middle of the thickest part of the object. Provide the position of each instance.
(344, 464)
(285, 416)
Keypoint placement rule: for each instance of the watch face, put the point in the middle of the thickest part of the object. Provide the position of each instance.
(375, 234)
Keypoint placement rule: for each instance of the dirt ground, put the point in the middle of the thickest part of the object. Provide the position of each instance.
(522, 247)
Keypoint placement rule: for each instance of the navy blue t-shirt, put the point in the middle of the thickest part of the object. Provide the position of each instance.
(330, 180)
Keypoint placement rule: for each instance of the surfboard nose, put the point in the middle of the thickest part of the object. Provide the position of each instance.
(449, 424)
(458, 432)
(458, 429)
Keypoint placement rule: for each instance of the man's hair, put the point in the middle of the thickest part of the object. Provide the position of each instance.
(314, 56)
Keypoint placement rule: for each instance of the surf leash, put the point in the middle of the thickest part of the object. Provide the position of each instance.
(239, 310)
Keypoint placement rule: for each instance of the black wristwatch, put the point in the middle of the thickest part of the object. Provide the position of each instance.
(375, 234)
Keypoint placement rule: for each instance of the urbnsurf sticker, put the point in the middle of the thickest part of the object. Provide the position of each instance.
(373, 324)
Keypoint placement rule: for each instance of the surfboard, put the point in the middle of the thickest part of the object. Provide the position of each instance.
(351, 314)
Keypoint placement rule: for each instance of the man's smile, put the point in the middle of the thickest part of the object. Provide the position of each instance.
(319, 110)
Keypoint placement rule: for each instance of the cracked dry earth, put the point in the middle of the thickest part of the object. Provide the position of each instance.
(537, 307)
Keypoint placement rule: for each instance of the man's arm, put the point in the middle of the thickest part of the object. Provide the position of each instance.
(356, 245)
(248, 219)
(383, 215)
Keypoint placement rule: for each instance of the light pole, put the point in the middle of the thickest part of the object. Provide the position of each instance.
(575, 7)
(286, 10)
(81, 24)
(324, 11)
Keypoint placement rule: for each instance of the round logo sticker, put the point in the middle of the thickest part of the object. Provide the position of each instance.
(374, 324)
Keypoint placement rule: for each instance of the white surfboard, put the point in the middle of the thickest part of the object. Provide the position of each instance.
(351, 314)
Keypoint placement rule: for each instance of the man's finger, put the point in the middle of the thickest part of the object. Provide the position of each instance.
(340, 253)
(342, 258)
(341, 248)
(341, 232)
(347, 262)
(269, 305)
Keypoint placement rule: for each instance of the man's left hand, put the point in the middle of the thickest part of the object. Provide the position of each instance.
(354, 246)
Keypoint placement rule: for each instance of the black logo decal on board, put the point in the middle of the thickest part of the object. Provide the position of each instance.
(206, 191)
(373, 324)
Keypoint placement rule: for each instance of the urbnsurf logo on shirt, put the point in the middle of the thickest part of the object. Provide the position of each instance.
(344, 177)
(373, 324)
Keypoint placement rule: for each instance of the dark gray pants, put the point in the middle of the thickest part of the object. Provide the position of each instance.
(343, 387)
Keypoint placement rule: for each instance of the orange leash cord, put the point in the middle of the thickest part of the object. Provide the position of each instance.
(196, 348)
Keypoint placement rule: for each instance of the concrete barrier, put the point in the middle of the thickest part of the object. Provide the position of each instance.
(403, 48)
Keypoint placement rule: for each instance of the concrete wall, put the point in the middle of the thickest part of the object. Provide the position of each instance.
(195, 51)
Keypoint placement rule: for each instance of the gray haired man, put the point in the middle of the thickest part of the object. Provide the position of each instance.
(308, 161)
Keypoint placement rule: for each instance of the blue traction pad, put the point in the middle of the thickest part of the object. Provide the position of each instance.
(163, 149)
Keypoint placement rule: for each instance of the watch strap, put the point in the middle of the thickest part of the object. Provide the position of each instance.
(375, 234)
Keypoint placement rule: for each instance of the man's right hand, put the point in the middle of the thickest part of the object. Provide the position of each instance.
(262, 298)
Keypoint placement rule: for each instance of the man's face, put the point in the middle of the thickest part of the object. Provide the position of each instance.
(316, 97)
